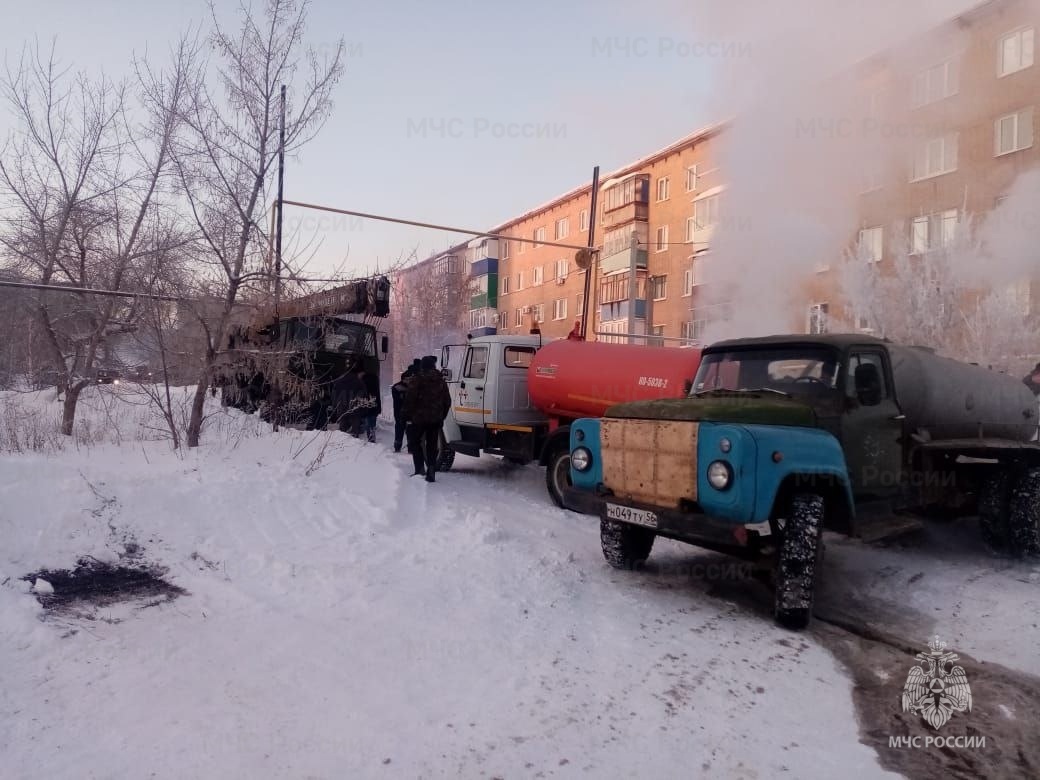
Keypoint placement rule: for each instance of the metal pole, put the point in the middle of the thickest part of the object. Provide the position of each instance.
(633, 250)
(591, 245)
(281, 208)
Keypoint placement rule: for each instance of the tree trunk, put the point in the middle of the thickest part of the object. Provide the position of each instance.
(198, 404)
(68, 412)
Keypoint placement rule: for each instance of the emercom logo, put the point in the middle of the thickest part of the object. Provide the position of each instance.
(936, 689)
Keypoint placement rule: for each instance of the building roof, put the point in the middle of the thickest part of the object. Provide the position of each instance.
(633, 167)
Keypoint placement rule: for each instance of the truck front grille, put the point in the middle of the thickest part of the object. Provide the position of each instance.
(650, 461)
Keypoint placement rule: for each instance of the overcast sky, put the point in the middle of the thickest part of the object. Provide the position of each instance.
(456, 112)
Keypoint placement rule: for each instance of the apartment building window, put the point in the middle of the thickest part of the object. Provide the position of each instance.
(658, 287)
(506, 280)
(583, 220)
(562, 268)
(705, 212)
(520, 281)
(661, 241)
(872, 244)
(657, 331)
(563, 228)
(539, 312)
(935, 157)
(519, 318)
(1014, 132)
(863, 324)
(933, 231)
(662, 188)
(935, 83)
(448, 265)
(693, 329)
(539, 236)
(691, 178)
(560, 309)
(818, 318)
(689, 281)
(520, 247)
(579, 299)
(505, 250)
(478, 319)
(1015, 52)
(536, 276)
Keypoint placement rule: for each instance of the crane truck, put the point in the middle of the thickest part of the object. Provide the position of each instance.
(516, 396)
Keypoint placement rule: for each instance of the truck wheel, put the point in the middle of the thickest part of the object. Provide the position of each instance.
(1024, 517)
(994, 508)
(558, 474)
(445, 454)
(625, 546)
(799, 559)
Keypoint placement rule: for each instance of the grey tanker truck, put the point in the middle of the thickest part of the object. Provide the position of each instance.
(785, 436)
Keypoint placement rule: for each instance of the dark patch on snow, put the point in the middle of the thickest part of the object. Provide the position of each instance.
(95, 583)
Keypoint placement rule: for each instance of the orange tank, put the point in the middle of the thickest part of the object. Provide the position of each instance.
(573, 379)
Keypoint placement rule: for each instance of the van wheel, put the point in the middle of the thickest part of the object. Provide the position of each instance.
(994, 508)
(1024, 515)
(798, 565)
(625, 546)
(558, 474)
(445, 454)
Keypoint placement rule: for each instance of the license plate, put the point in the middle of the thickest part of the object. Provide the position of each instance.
(629, 515)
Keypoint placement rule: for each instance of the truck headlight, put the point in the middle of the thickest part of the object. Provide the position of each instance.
(581, 459)
(720, 475)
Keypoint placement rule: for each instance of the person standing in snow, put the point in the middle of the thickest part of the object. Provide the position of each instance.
(397, 393)
(426, 404)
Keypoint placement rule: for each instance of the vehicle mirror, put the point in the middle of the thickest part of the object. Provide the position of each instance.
(446, 373)
(384, 344)
(868, 384)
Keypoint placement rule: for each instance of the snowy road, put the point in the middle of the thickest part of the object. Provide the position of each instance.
(352, 621)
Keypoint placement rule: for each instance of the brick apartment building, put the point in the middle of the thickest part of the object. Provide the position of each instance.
(964, 97)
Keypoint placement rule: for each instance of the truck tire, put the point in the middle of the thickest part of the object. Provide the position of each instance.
(1024, 515)
(558, 474)
(445, 454)
(994, 508)
(625, 546)
(798, 561)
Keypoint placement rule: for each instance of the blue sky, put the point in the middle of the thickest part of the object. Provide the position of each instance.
(610, 80)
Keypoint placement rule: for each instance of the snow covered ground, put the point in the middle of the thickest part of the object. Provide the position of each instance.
(344, 620)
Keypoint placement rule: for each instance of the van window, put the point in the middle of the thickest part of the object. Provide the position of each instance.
(519, 357)
(476, 363)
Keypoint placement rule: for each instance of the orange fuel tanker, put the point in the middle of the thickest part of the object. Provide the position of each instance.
(516, 396)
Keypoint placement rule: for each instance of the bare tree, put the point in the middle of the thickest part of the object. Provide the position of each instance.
(80, 179)
(225, 157)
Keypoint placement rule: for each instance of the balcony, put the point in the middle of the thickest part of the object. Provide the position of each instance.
(631, 212)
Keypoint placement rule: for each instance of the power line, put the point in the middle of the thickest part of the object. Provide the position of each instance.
(396, 220)
(93, 291)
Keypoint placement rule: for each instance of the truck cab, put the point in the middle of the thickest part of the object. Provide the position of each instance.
(491, 408)
(781, 437)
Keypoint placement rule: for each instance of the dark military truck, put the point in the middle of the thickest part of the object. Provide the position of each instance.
(783, 437)
(285, 367)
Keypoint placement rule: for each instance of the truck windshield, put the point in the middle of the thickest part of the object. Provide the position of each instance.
(790, 370)
(350, 337)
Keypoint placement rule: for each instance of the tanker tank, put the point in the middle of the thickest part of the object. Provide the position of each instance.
(954, 400)
(574, 379)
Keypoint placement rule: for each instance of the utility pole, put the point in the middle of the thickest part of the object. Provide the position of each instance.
(633, 251)
(281, 208)
(592, 261)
